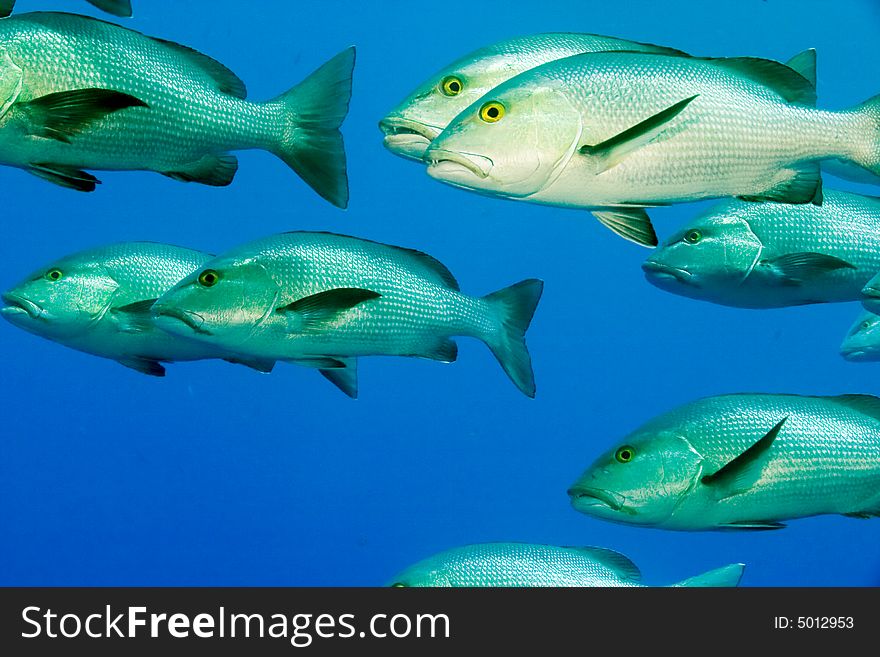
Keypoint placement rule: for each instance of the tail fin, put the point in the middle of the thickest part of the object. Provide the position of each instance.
(310, 142)
(868, 153)
(515, 306)
(726, 576)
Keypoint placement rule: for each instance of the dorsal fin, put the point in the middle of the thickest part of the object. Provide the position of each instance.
(865, 404)
(788, 83)
(227, 81)
(617, 562)
(805, 64)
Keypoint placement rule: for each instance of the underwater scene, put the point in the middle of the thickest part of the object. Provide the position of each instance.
(372, 294)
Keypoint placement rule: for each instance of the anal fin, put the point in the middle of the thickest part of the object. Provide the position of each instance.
(148, 366)
(444, 350)
(212, 169)
(804, 185)
(344, 378)
(752, 525)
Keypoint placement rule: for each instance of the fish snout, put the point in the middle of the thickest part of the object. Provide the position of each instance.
(17, 305)
(659, 270)
(445, 164)
(586, 497)
(406, 137)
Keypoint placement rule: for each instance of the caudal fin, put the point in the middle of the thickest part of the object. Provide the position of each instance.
(726, 576)
(866, 150)
(515, 306)
(310, 142)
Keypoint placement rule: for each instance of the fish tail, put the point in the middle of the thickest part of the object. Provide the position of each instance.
(514, 307)
(310, 142)
(726, 576)
(866, 151)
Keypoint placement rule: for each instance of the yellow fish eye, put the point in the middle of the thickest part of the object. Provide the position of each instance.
(209, 278)
(451, 85)
(693, 236)
(492, 111)
(54, 274)
(625, 454)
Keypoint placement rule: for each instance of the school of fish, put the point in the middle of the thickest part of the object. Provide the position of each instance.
(582, 121)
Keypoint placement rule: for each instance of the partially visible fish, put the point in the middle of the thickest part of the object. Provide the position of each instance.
(121, 8)
(770, 255)
(77, 93)
(98, 301)
(423, 115)
(871, 294)
(320, 300)
(525, 565)
(742, 461)
(862, 342)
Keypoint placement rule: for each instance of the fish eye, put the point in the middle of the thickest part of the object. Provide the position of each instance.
(625, 454)
(398, 585)
(866, 324)
(693, 236)
(209, 278)
(451, 85)
(54, 275)
(492, 111)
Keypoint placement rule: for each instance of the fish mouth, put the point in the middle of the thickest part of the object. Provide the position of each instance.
(583, 497)
(192, 320)
(17, 305)
(854, 353)
(654, 269)
(441, 163)
(407, 137)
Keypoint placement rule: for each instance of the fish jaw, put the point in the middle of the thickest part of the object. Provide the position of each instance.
(407, 138)
(657, 273)
(598, 502)
(465, 169)
(17, 308)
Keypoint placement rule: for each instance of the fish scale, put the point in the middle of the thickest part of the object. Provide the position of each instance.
(825, 459)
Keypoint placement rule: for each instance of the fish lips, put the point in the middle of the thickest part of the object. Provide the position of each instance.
(18, 307)
(658, 272)
(407, 138)
(587, 500)
(170, 318)
(454, 166)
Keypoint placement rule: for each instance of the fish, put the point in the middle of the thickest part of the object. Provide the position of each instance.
(121, 8)
(98, 301)
(423, 115)
(77, 93)
(619, 132)
(771, 255)
(862, 342)
(321, 299)
(871, 294)
(527, 565)
(740, 462)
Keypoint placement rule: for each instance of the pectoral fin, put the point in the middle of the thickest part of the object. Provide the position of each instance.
(135, 317)
(318, 311)
(613, 151)
(740, 474)
(6, 7)
(65, 176)
(795, 268)
(64, 114)
(344, 378)
(148, 366)
(121, 8)
(631, 224)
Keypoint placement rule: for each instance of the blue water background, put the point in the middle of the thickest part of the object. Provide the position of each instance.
(218, 475)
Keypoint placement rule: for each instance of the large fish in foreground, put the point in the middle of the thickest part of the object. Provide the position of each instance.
(743, 461)
(618, 132)
(121, 8)
(78, 93)
(862, 342)
(320, 300)
(98, 301)
(423, 115)
(769, 255)
(525, 565)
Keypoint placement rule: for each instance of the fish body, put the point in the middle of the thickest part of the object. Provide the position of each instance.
(98, 301)
(423, 115)
(121, 8)
(320, 298)
(619, 132)
(526, 565)
(770, 255)
(862, 342)
(78, 93)
(742, 461)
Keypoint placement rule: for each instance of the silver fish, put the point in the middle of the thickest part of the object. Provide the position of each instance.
(743, 461)
(526, 565)
(78, 93)
(862, 342)
(770, 255)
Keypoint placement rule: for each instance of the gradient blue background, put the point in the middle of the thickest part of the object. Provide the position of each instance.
(217, 475)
